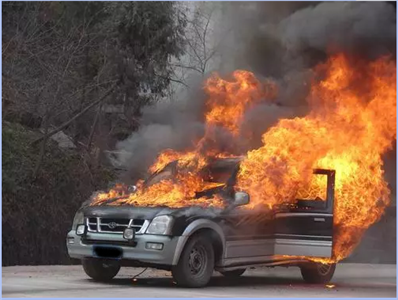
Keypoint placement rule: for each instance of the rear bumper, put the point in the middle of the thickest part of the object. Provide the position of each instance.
(80, 248)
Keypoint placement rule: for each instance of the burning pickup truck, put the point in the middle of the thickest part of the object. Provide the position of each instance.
(193, 241)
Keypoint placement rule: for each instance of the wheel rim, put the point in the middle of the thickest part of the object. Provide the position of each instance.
(324, 269)
(197, 260)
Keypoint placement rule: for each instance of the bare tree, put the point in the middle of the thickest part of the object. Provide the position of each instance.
(204, 37)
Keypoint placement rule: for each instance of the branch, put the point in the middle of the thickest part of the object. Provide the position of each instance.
(179, 81)
(90, 138)
(172, 79)
(65, 124)
(205, 35)
(187, 67)
(194, 51)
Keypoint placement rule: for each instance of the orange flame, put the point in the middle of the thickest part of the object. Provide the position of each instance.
(351, 123)
(228, 100)
(225, 106)
(348, 129)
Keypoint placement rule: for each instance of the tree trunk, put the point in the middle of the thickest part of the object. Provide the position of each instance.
(90, 138)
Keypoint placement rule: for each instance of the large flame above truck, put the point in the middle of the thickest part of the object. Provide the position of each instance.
(350, 124)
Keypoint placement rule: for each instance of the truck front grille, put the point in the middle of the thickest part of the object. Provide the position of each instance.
(115, 225)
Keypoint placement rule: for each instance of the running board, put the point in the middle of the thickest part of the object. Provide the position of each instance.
(293, 262)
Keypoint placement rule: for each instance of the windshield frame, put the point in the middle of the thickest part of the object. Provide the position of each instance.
(172, 167)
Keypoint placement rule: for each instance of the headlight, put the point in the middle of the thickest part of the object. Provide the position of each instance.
(160, 225)
(78, 219)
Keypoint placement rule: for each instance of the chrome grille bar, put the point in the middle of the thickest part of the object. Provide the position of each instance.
(97, 224)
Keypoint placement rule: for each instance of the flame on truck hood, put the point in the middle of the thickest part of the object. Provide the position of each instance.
(226, 104)
(351, 123)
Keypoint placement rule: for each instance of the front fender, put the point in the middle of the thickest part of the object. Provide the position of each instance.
(191, 229)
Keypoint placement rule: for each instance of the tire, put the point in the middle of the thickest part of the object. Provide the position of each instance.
(317, 272)
(100, 270)
(196, 263)
(234, 273)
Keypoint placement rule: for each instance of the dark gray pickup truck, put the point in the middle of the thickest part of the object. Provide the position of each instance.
(192, 242)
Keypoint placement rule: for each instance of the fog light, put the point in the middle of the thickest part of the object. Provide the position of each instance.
(154, 246)
(80, 229)
(129, 233)
(71, 240)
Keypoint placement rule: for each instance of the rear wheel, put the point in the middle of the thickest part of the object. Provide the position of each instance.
(100, 270)
(317, 272)
(196, 263)
(233, 273)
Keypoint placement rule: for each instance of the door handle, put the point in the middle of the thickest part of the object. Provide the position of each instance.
(319, 219)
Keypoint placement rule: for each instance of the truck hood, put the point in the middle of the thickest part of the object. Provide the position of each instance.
(148, 213)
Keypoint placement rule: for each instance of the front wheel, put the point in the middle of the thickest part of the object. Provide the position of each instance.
(100, 270)
(196, 263)
(317, 272)
(233, 273)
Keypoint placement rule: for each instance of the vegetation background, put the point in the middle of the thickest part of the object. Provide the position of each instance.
(75, 77)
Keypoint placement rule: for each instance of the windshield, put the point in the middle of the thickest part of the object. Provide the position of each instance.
(218, 174)
(168, 172)
(221, 173)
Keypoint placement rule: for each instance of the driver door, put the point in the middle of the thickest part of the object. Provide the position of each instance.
(249, 236)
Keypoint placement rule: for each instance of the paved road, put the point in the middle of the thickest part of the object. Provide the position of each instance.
(350, 280)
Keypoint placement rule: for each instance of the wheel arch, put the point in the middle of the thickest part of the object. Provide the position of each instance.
(202, 226)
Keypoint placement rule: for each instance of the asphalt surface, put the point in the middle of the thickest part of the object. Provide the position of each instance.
(350, 280)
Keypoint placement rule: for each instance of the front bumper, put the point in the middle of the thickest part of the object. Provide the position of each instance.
(84, 248)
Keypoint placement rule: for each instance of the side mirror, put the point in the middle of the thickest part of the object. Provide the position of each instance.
(132, 189)
(241, 198)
